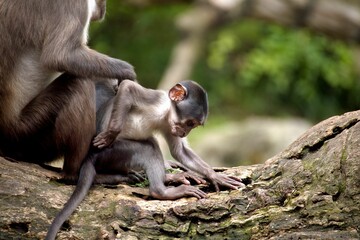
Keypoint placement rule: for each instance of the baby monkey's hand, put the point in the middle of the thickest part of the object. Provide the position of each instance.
(105, 138)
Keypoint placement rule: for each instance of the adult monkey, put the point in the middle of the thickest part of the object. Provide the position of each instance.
(47, 96)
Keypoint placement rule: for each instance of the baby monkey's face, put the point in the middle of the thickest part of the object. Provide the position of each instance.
(189, 107)
(183, 128)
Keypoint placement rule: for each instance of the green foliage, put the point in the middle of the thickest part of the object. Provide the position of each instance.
(250, 67)
(284, 70)
(143, 184)
(142, 36)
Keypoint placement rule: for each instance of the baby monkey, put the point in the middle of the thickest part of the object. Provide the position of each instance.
(135, 113)
(126, 122)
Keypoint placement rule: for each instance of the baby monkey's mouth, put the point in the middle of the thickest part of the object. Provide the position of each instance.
(177, 131)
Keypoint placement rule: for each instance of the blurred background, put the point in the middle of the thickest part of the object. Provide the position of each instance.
(272, 68)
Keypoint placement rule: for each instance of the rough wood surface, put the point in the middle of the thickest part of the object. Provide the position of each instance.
(309, 191)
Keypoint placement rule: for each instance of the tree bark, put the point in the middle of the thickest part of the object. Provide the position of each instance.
(309, 191)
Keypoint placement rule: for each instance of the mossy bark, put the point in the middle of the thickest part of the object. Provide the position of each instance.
(309, 191)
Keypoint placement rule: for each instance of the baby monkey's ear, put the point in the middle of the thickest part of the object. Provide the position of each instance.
(177, 93)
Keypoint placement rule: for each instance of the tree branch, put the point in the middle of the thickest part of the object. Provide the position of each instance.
(309, 191)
